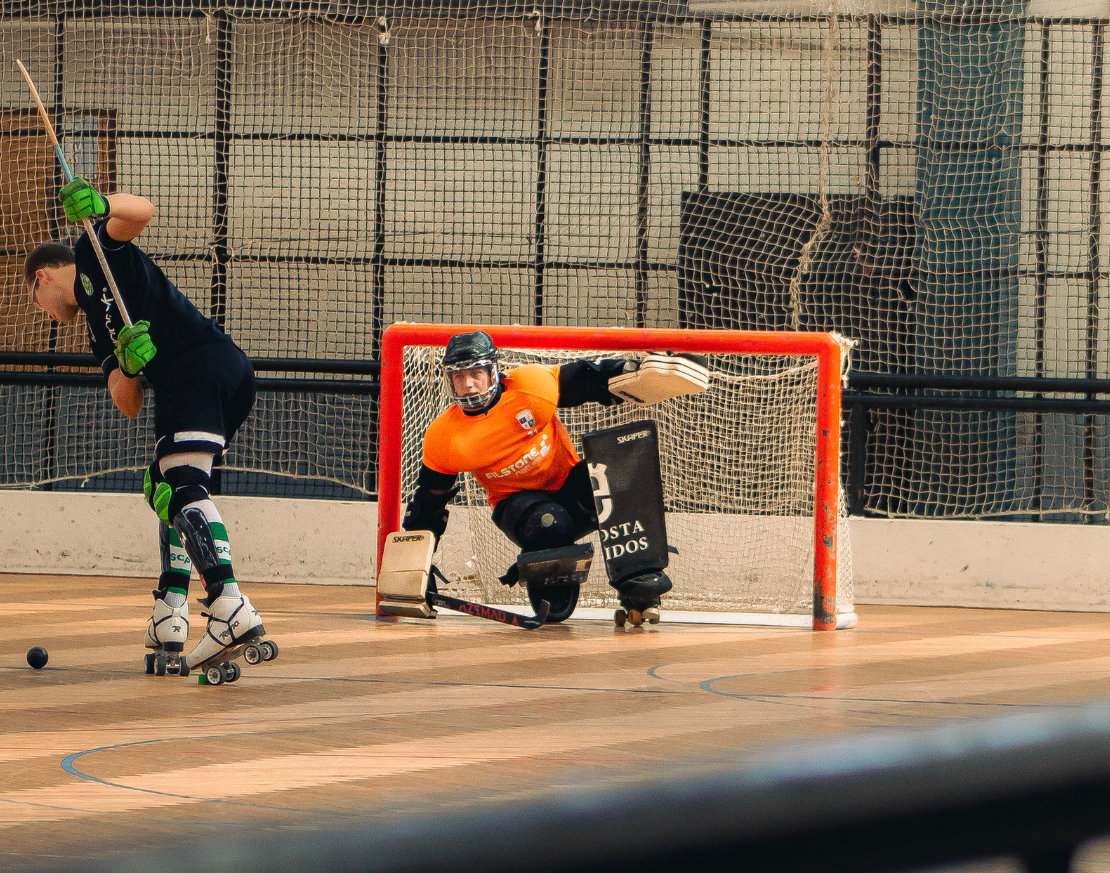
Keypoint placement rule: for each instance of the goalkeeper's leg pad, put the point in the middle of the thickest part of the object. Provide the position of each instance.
(555, 575)
(628, 495)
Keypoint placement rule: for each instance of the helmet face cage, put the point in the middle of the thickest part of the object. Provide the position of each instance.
(479, 400)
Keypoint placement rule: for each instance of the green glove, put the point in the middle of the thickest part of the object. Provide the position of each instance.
(81, 200)
(134, 348)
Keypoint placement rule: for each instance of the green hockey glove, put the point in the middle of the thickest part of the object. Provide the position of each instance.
(81, 200)
(134, 348)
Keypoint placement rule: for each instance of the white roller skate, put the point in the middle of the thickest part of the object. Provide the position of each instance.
(234, 630)
(166, 633)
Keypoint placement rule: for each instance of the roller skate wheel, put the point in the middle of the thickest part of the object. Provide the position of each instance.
(233, 671)
(635, 617)
(183, 667)
(215, 675)
(252, 654)
(651, 615)
(148, 663)
(269, 650)
(620, 617)
(160, 664)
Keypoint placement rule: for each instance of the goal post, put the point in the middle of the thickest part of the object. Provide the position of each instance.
(739, 407)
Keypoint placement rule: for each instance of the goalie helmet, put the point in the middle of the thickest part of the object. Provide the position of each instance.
(471, 351)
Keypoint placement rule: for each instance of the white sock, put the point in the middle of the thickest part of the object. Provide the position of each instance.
(231, 589)
(174, 600)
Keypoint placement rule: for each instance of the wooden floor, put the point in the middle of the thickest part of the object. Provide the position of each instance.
(360, 716)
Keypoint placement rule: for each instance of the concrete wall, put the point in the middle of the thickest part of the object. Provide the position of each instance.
(926, 563)
(982, 563)
(321, 541)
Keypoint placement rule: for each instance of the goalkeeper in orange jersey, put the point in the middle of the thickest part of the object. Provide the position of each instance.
(503, 427)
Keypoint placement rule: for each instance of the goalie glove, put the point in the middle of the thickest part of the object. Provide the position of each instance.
(660, 377)
(81, 200)
(428, 511)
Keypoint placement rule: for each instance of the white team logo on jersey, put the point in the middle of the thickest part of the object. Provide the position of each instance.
(526, 419)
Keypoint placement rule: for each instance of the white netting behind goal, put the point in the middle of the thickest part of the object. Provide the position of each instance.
(738, 478)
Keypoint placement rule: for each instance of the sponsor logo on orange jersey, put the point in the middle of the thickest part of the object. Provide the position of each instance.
(526, 462)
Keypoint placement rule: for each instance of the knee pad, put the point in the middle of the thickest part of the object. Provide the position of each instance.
(188, 484)
(534, 521)
(157, 492)
(167, 494)
(546, 525)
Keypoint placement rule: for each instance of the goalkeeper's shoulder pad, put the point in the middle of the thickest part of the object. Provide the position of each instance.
(660, 377)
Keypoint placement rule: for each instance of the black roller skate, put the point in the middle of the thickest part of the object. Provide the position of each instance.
(640, 598)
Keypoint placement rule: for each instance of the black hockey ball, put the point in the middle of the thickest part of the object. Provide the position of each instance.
(37, 657)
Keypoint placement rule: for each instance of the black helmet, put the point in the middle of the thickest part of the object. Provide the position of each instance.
(470, 351)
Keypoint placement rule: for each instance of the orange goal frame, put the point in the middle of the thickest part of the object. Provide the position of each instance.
(824, 346)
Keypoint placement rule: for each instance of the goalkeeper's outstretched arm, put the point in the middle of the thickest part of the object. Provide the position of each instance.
(588, 382)
(656, 378)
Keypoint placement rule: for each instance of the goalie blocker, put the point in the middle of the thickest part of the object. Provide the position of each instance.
(403, 577)
(628, 495)
(660, 377)
(406, 586)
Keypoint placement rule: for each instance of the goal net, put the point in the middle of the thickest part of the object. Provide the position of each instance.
(749, 469)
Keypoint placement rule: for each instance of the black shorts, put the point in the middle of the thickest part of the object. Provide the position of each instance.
(201, 406)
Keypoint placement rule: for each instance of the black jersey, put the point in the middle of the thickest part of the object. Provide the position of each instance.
(176, 325)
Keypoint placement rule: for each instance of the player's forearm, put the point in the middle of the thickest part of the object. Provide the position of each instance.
(129, 217)
(126, 393)
(587, 382)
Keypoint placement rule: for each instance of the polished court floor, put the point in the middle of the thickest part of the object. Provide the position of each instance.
(360, 717)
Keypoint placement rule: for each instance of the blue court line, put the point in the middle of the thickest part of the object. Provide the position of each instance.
(67, 765)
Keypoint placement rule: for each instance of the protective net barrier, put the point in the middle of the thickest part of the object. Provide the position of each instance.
(923, 177)
(738, 465)
(294, 443)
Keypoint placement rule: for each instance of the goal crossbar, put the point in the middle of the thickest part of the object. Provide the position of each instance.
(825, 347)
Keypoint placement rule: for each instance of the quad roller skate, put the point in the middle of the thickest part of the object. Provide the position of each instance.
(640, 599)
(234, 631)
(166, 633)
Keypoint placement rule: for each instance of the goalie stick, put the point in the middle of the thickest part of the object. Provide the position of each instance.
(481, 610)
(86, 222)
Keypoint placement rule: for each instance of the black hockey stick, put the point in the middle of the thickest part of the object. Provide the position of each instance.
(481, 610)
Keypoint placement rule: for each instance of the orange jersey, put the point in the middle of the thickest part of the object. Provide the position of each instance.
(518, 445)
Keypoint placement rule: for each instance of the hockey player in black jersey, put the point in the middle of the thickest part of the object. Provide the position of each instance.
(203, 387)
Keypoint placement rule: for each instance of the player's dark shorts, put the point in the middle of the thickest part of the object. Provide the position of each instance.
(201, 406)
(575, 496)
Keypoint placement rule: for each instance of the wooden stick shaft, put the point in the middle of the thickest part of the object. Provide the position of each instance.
(86, 222)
